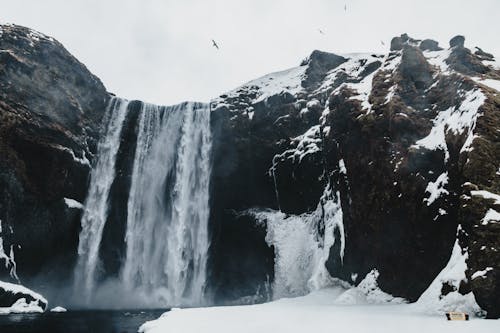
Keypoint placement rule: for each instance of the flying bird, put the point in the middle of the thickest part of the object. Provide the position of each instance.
(382, 42)
(215, 44)
(321, 31)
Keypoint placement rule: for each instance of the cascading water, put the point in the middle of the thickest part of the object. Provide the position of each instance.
(167, 212)
(96, 205)
(167, 240)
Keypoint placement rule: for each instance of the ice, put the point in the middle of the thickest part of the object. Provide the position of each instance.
(58, 309)
(301, 251)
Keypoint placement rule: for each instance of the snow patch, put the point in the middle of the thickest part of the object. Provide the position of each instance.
(438, 59)
(21, 306)
(491, 216)
(17, 288)
(436, 189)
(487, 195)
(367, 292)
(481, 273)
(272, 84)
(71, 203)
(432, 301)
(454, 120)
(493, 84)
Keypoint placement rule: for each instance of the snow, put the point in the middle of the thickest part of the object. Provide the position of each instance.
(436, 188)
(21, 306)
(305, 144)
(71, 203)
(288, 80)
(58, 309)
(17, 288)
(487, 195)
(10, 262)
(316, 312)
(432, 301)
(367, 292)
(438, 59)
(491, 216)
(390, 95)
(342, 167)
(481, 273)
(353, 67)
(454, 120)
(494, 84)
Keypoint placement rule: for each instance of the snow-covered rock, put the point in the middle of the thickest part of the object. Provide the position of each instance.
(17, 298)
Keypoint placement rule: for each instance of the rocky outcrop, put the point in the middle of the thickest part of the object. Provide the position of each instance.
(397, 135)
(50, 112)
(10, 294)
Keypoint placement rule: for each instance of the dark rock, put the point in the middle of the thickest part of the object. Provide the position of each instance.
(397, 43)
(457, 41)
(50, 114)
(483, 55)
(429, 45)
(318, 64)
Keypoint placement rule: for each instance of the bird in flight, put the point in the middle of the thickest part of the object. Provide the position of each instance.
(321, 31)
(382, 42)
(215, 44)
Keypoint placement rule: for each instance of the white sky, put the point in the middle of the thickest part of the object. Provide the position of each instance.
(160, 50)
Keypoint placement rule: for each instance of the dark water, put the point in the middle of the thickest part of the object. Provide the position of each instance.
(92, 321)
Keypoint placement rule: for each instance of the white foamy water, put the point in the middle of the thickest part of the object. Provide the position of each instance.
(166, 237)
(96, 205)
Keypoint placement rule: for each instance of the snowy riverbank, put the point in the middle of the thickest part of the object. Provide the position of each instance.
(320, 311)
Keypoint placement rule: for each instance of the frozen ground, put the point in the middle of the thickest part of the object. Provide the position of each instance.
(317, 312)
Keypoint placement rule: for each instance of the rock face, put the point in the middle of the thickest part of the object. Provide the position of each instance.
(50, 112)
(398, 136)
(406, 142)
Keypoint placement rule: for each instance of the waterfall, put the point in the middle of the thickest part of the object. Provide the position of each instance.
(96, 204)
(166, 238)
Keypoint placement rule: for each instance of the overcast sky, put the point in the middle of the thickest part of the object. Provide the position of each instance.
(160, 50)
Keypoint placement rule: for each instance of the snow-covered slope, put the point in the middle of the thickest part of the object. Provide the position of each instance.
(316, 312)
